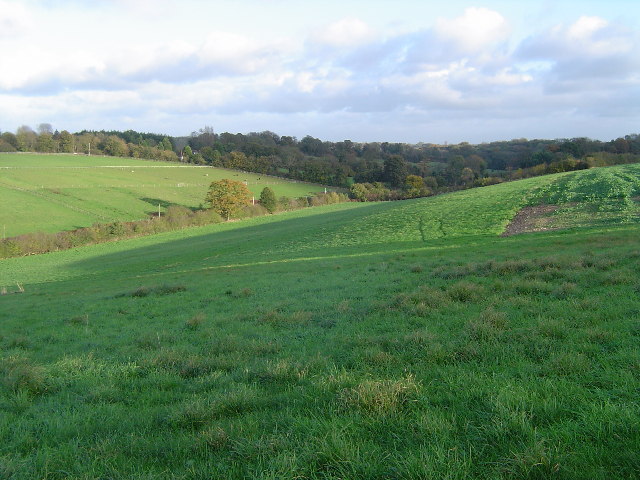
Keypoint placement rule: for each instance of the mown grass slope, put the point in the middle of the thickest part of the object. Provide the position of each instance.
(394, 340)
(51, 193)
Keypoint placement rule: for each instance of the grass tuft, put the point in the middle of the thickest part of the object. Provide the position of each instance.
(18, 374)
(381, 397)
(567, 363)
(194, 322)
(489, 325)
(80, 320)
(22, 341)
(277, 318)
(215, 438)
(466, 292)
(420, 302)
(242, 293)
(537, 461)
(145, 291)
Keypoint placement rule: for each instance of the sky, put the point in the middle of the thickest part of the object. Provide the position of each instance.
(365, 70)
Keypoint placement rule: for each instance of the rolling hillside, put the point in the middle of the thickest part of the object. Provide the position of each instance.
(51, 193)
(394, 340)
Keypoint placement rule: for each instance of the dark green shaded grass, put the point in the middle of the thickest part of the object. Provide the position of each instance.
(462, 357)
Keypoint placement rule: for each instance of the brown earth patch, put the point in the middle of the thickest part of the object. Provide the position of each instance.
(531, 219)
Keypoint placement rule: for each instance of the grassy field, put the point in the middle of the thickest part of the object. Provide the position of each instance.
(401, 340)
(61, 192)
(595, 197)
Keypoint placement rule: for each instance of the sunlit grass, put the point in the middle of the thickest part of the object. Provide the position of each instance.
(50, 193)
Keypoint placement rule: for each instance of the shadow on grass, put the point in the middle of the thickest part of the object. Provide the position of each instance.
(155, 202)
(285, 239)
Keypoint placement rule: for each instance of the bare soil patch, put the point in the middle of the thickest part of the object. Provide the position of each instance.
(531, 219)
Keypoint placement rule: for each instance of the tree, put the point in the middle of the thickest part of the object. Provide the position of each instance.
(359, 192)
(455, 165)
(66, 142)
(237, 160)
(45, 143)
(414, 185)
(26, 139)
(476, 163)
(45, 128)
(467, 176)
(205, 137)
(114, 146)
(211, 156)
(395, 170)
(268, 199)
(226, 197)
(165, 144)
(8, 142)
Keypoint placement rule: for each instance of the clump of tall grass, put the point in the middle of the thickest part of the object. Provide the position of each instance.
(19, 374)
(186, 365)
(552, 328)
(488, 325)
(281, 319)
(215, 438)
(22, 341)
(381, 397)
(154, 340)
(144, 291)
(199, 411)
(565, 290)
(567, 363)
(242, 293)
(420, 302)
(524, 286)
(533, 461)
(466, 292)
(280, 371)
(194, 322)
(79, 320)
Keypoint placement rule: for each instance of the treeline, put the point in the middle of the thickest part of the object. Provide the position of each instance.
(117, 144)
(175, 218)
(442, 167)
(342, 164)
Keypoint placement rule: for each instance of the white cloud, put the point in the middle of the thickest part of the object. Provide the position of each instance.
(474, 31)
(586, 37)
(345, 33)
(590, 56)
(507, 77)
(235, 52)
(14, 19)
(169, 67)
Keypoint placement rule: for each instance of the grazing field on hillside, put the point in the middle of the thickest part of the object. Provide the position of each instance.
(402, 340)
(51, 193)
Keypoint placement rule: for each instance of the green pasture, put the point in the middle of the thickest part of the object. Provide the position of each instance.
(51, 193)
(397, 340)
